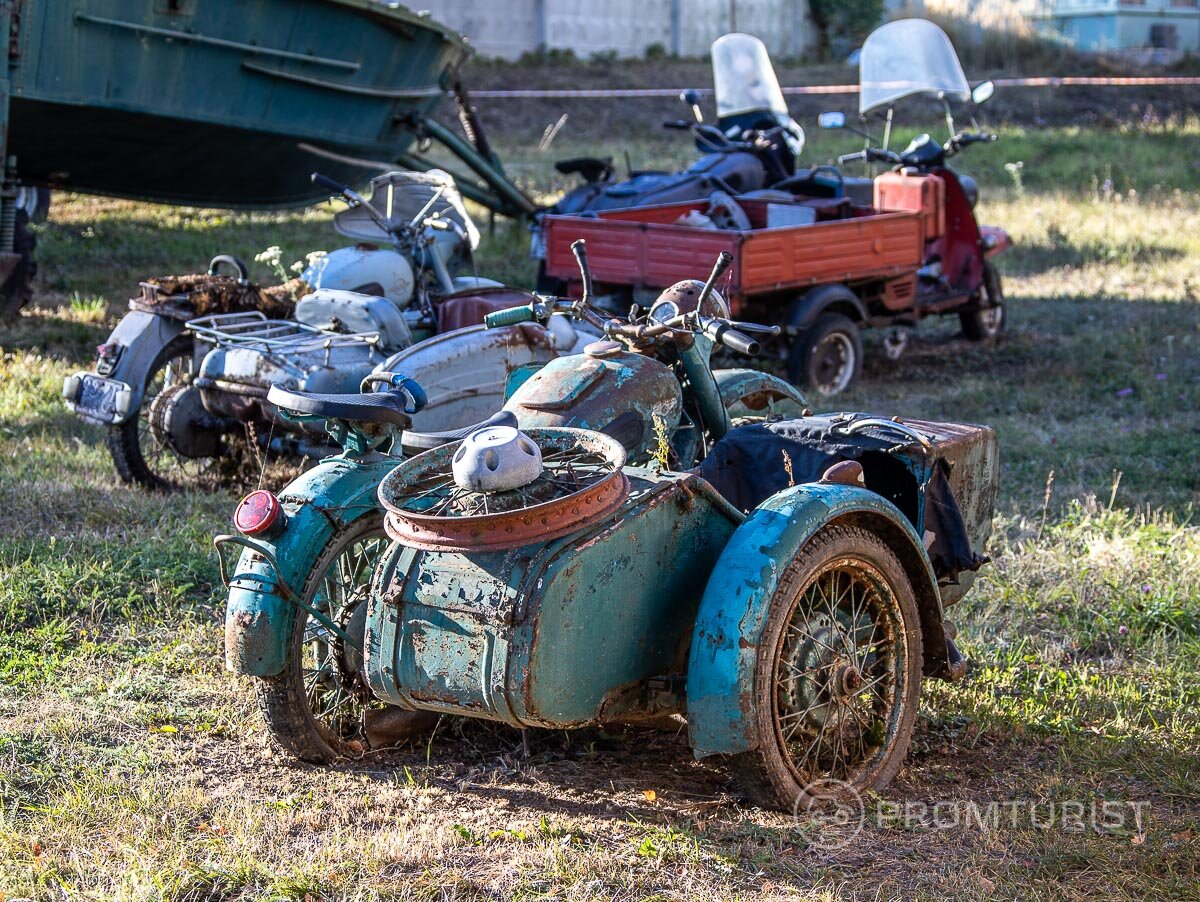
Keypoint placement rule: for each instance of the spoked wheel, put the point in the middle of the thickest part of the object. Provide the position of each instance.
(986, 320)
(319, 708)
(838, 673)
(580, 482)
(140, 449)
(828, 357)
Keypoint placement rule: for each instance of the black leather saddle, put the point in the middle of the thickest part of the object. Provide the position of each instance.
(370, 407)
(593, 169)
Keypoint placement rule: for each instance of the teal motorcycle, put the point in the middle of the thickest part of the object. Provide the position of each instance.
(597, 554)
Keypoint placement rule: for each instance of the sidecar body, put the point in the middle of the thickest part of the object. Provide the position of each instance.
(658, 604)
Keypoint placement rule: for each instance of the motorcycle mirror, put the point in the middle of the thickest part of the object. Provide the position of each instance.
(692, 98)
(832, 119)
(983, 92)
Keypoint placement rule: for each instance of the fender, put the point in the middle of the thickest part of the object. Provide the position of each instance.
(834, 298)
(141, 336)
(994, 240)
(320, 503)
(732, 615)
(381, 271)
(754, 393)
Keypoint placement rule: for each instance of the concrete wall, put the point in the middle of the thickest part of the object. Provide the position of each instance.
(508, 28)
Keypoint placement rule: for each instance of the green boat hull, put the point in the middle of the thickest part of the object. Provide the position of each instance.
(218, 103)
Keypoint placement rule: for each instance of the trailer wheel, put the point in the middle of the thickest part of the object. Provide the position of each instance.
(985, 320)
(318, 708)
(828, 357)
(837, 673)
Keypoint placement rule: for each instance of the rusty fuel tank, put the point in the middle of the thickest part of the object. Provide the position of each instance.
(607, 388)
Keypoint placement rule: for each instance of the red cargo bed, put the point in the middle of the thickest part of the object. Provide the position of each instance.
(644, 248)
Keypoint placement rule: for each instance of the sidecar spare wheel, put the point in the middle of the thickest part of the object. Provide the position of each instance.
(579, 482)
(837, 674)
(143, 453)
(318, 708)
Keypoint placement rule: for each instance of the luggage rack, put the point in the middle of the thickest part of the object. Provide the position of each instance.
(252, 329)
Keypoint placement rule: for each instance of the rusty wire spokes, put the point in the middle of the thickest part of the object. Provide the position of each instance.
(838, 672)
(581, 481)
(326, 664)
(564, 471)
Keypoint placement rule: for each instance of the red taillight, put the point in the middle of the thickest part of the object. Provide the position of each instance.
(257, 513)
(106, 351)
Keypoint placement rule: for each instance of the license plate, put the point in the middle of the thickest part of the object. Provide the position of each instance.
(101, 400)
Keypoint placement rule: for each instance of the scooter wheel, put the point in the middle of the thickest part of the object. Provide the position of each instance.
(837, 675)
(318, 709)
(986, 319)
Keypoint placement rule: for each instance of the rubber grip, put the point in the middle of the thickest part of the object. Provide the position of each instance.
(326, 182)
(510, 317)
(740, 342)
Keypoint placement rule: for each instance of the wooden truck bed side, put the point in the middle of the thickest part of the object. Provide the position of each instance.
(643, 248)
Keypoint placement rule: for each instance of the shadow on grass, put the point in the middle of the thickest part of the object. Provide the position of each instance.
(1062, 251)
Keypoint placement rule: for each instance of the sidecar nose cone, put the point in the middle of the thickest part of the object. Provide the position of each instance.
(496, 459)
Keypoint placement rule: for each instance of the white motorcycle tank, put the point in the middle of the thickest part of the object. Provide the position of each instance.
(378, 271)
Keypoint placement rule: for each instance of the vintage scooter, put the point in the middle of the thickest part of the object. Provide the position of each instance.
(179, 391)
(787, 595)
(914, 58)
(753, 145)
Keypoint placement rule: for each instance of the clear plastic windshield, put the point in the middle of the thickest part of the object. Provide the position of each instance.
(743, 77)
(906, 57)
(400, 197)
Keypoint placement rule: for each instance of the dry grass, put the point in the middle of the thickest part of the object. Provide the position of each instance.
(132, 767)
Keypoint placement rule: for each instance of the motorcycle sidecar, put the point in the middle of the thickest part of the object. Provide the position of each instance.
(790, 614)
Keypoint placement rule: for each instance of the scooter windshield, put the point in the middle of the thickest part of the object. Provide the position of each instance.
(906, 57)
(400, 197)
(743, 77)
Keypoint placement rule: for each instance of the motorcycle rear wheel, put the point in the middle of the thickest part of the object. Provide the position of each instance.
(986, 320)
(837, 676)
(317, 709)
(138, 455)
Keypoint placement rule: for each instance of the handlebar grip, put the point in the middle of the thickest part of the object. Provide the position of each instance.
(740, 342)
(510, 317)
(721, 332)
(326, 182)
(851, 157)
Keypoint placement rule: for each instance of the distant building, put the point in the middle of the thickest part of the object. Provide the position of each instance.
(509, 28)
(1122, 24)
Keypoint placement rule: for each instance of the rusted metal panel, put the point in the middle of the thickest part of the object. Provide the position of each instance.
(973, 453)
(552, 634)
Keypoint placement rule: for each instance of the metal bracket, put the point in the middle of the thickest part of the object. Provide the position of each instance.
(285, 590)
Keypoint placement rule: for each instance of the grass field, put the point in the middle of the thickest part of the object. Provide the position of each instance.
(133, 767)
